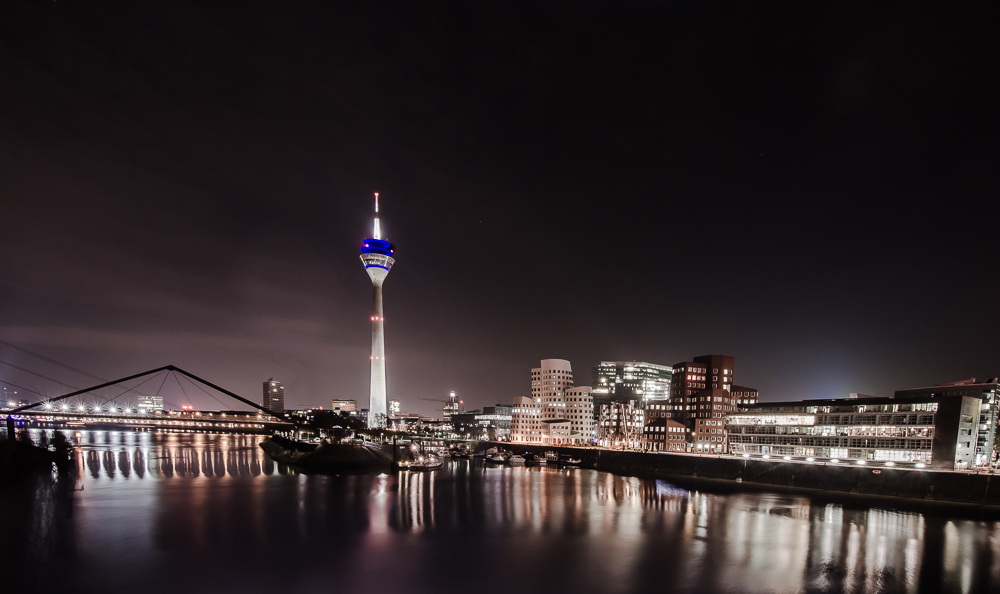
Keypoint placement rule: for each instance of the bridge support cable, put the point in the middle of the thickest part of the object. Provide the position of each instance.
(36, 374)
(54, 362)
(127, 390)
(2, 381)
(91, 389)
(223, 390)
(181, 386)
(197, 385)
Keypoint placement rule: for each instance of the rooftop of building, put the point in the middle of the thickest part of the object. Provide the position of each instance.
(904, 399)
(971, 382)
(635, 364)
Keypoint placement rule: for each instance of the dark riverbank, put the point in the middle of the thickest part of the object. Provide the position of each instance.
(325, 457)
(21, 454)
(925, 485)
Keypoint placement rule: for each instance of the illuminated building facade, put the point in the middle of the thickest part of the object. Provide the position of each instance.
(579, 412)
(558, 412)
(702, 389)
(744, 395)
(274, 397)
(629, 380)
(376, 255)
(933, 431)
(620, 425)
(452, 407)
(526, 420)
(344, 405)
(987, 393)
(150, 404)
(665, 435)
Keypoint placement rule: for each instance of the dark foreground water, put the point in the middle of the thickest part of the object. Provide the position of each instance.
(188, 513)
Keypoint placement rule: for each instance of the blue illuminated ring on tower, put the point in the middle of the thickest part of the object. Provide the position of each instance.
(377, 253)
(376, 246)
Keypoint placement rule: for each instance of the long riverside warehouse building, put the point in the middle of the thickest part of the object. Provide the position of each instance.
(929, 430)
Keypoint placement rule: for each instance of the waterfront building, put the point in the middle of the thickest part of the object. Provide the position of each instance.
(150, 404)
(549, 384)
(922, 430)
(497, 420)
(274, 397)
(708, 436)
(579, 410)
(657, 410)
(744, 395)
(526, 418)
(466, 423)
(703, 389)
(558, 413)
(484, 424)
(630, 380)
(377, 256)
(988, 394)
(665, 435)
(620, 425)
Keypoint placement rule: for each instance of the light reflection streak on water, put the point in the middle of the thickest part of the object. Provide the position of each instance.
(699, 541)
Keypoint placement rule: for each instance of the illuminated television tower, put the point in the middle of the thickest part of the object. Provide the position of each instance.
(376, 255)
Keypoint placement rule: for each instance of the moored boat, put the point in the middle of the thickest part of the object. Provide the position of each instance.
(516, 460)
(567, 460)
(497, 458)
(426, 463)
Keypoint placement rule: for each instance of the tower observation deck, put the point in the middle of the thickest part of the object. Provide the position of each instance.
(376, 255)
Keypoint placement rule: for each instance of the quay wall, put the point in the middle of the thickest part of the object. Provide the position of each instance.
(927, 485)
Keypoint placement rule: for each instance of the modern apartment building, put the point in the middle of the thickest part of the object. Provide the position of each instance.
(558, 412)
(702, 389)
(665, 435)
(922, 430)
(579, 411)
(987, 393)
(274, 397)
(708, 436)
(744, 395)
(526, 420)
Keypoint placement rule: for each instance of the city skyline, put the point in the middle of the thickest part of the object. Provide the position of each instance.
(798, 193)
(694, 296)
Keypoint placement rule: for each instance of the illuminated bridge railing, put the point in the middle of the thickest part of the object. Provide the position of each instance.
(208, 422)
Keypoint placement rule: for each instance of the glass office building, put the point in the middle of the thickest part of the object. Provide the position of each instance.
(622, 380)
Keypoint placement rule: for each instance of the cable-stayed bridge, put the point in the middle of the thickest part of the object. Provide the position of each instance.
(56, 412)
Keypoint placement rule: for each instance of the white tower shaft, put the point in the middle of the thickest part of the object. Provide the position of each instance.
(378, 402)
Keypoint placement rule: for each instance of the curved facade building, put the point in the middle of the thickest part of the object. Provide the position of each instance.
(376, 255)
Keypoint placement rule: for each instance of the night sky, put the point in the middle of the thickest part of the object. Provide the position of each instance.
(806, 189)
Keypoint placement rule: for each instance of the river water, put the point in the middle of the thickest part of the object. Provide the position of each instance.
(181, 513)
